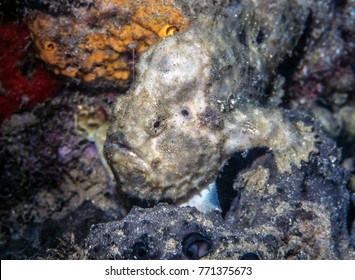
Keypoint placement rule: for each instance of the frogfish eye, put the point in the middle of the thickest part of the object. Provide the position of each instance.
(195, 246)
(155, 126)
(140, 251)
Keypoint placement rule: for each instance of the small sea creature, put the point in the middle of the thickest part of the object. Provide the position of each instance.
(95, 43)
(94, 122)
(194, 104)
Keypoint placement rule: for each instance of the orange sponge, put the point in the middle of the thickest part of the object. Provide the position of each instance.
(102, 42)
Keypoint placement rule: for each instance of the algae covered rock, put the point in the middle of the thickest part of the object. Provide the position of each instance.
(274, 216)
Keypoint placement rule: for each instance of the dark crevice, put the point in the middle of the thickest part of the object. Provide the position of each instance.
(250, 256)
(242, 38)
(225, 179)
(260, 37)
(340, 4)
(8, 11)
(351, 217)
(92, 88)
(28, 66)
(289, 66)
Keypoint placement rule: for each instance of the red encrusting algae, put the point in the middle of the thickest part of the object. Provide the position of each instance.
(21, 88)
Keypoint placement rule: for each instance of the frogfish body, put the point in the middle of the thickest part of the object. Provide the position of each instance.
(195, 103)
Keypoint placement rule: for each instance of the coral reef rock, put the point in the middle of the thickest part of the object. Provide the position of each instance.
(307, 211)
(162, 232)
(274, 216)
(52, 183)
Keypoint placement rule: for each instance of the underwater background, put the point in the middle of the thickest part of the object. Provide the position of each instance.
(64, 63)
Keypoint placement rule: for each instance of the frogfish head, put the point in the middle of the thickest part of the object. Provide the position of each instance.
(165, 140)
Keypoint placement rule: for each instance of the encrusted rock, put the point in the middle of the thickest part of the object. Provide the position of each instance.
(303, 215)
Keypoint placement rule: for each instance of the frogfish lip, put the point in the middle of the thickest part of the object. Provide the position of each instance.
(124, 162)
(130, 170)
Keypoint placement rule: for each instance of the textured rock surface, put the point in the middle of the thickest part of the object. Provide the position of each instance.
(51, 179)
(307, 211)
